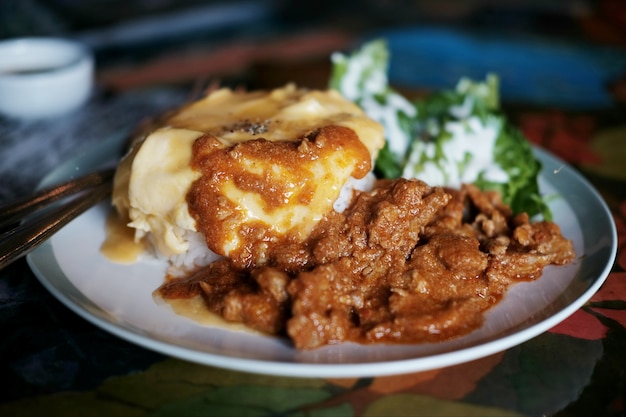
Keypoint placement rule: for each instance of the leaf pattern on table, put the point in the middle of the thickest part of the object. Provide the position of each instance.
(566, 136)
(540, 376)
(244, 400)
(607, 303)
(606, 145)
(584, 325)
(581, 325)
(441, 383)
(399, 405)
(397, 383)
(175, 387)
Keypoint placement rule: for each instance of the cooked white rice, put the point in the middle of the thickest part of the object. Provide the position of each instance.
(198, 255)
(345, 195)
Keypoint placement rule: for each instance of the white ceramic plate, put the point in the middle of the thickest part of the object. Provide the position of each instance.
(118, 298)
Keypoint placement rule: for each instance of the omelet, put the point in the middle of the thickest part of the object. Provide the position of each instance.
(246, 170)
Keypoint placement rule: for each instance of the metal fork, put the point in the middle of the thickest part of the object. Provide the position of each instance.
(30, 221)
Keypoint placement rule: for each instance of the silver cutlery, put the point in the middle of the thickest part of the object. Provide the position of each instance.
(30, 221)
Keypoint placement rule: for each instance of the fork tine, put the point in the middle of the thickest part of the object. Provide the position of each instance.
(13, 212)
(35, 230)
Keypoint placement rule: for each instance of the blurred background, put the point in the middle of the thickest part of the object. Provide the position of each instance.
(555, 18)
(153, 55)
(192, 36)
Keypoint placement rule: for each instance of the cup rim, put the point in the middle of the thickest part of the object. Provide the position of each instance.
(51, 56)
(42, 77)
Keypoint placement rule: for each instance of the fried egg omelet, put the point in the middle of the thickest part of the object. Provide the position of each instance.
(246, 170)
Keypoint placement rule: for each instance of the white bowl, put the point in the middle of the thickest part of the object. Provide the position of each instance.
(43, 77)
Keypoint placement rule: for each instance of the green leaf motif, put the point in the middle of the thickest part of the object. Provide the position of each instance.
(341, 410)
(414, 405)
(245, 401)
(69, 404)
(608, 304)
(607, 144)
(175, 386)
(540, 376)
(175, 380)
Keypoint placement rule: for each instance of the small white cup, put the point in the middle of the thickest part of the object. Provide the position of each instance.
(44, 77)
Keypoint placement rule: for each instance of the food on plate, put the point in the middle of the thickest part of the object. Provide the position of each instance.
(267, 208)
(449, 137)
(404, 263)
(240, 171)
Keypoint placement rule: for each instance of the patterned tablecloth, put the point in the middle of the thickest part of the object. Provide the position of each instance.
(55, 363)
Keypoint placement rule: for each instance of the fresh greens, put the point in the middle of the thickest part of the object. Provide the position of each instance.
(449, 138)
(362, 78)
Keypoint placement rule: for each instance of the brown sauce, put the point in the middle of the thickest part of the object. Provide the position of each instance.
(405, 263)
(195, 309)
(120, 245)
(278, 192)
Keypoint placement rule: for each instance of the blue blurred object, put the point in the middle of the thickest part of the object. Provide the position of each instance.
(531, 71)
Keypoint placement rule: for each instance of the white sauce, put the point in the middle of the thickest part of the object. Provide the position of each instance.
(468, 154)
(374, 97)
(387, 115)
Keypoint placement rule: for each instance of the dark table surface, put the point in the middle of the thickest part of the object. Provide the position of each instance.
(56, 363)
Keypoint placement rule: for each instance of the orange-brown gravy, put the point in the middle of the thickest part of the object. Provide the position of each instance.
(282, 184)
(195, 309)
(120, 245)
(405, 263)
